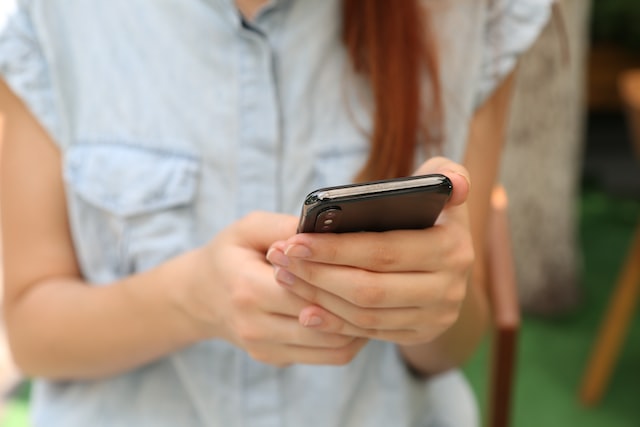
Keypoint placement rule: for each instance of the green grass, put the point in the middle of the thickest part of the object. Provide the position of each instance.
(553, 352)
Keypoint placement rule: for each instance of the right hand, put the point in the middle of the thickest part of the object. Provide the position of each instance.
(232, 295)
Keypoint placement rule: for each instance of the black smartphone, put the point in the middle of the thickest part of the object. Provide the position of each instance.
(400, 203)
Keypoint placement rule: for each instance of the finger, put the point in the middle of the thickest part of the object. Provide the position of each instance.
(334, 356)
(262, 292)
(393, 251)
(259, 230)
(318, 283)
(457, 173)
(357, 321)
(282, 355)
(318, 318)
(456, 210)
(273, 329)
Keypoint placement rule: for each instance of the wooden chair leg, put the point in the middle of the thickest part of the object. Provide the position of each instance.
(503, 297)
(614, 327)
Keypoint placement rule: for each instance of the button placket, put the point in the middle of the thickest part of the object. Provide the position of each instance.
(258, 169)
(259, 141)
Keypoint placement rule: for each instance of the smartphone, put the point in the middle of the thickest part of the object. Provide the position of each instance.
(393, 204)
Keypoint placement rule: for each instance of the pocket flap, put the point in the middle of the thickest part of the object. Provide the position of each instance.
(130, 180)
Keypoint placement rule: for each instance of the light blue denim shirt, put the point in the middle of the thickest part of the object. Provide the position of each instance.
(175, 118)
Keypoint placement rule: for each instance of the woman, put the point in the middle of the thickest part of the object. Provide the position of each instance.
(162, 150)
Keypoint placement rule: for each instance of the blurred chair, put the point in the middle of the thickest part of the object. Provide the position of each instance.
(505, 311)
(625, 293)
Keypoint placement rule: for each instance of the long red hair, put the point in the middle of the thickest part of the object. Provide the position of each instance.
(389, 44)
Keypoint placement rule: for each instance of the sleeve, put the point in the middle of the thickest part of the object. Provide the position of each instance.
(511, 27)
(23, 66)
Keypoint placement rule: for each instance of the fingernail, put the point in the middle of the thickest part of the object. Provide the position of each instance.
(312, 321)
(276, 257)
(298, 251)
(284, 277)
(466, 178)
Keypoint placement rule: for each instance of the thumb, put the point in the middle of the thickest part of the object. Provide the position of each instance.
(259, 230)
(457, 173)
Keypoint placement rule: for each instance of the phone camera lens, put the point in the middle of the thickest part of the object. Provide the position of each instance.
(327, 220)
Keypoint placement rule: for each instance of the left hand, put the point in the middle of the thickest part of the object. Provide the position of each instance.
(404, 286)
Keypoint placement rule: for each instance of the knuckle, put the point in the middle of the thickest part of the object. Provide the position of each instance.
(243, 299)
(366, 320)
(411, 338)
(383, 256)
(369, 295)
(448, 318)
(457, 249)
(247, 333)
(308, 272)
(367, 291)
(442, 250)
(312, 294)
(466, 253)
(455, 294)
(346, 354)
(411, 319)
(343, 356)
(253, 217)
(263, 355)
(336, 327)
(339, 341)
(332, 328)
(449, 244)
(331, 252)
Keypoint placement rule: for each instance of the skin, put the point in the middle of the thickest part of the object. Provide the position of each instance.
(250, 8)
(281, 297)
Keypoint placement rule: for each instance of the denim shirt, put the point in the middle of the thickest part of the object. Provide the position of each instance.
(175, 118)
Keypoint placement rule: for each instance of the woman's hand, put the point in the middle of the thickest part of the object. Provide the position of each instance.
(405, 286)
(233, 296)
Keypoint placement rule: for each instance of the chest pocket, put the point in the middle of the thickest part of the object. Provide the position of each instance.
(130, 207)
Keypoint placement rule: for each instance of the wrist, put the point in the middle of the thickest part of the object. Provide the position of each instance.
(190, 307)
